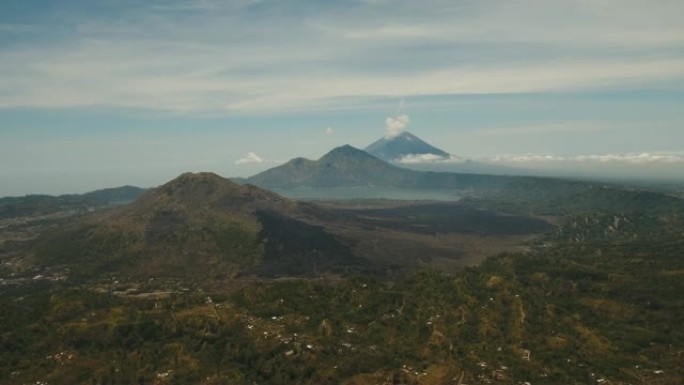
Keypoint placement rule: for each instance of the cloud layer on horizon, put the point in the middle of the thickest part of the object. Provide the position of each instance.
(429, 158)
(254, 56)
(634, 159)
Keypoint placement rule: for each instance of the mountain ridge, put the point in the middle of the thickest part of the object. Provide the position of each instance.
(342, 166)
(347, 166)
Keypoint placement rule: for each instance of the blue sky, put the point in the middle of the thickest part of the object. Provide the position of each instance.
(99, 94)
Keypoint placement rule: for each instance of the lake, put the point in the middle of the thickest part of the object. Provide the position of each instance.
(336, 193)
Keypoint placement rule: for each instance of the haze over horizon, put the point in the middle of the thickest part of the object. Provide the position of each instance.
(101, 94)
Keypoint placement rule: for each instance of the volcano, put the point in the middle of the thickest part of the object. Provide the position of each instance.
(405, 146)
(198, 226)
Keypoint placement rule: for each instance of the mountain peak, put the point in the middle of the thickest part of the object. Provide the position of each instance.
(404, 135)
(397, 147)
(189, 178)
(345, 147)
(201, 183)
(193, 191)
(345, 151)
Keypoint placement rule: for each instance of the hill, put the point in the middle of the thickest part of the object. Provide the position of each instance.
(41, 205)
(116, 195)
(197, 225)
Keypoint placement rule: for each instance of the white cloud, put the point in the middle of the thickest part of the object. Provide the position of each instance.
(429, 158)
(329, 131)
(636, 159)
(250, 158)
(395, 125)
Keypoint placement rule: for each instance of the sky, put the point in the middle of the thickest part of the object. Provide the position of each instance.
(105, 93)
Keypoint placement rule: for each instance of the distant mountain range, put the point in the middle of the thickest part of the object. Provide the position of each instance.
(343, 166)
(347, 166)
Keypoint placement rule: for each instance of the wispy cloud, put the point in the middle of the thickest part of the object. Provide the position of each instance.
(250, 158)
(205, 55)
(548, 128)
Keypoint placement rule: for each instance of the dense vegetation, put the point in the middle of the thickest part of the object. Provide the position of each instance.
(584, 312)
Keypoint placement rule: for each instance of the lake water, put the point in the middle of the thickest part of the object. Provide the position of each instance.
(335, 193)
